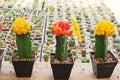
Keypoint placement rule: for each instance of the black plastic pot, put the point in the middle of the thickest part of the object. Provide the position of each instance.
(23, 68)
(103, 69)
(61, 71)
(1, 58)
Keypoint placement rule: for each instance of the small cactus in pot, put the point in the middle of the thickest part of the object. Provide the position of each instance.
(92, 31)
(83, 52)
(103, 60)
(103, 29)
(74, 53)
(23, 57)
(21, 27)
(61, 62)
(61, 29)
(71, 43)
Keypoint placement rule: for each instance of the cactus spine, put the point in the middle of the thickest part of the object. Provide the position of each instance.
(61, 47)
(24, 45)
(101, 45)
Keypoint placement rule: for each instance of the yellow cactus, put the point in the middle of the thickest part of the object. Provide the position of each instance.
(105, 27)
(20, 26)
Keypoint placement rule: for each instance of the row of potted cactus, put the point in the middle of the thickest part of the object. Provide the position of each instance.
(61, 29)
(92, 32)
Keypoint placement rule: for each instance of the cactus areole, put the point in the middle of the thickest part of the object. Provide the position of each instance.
(61, 30)
(103, 29)
(21, 27)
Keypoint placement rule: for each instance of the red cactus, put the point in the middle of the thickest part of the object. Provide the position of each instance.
(61, 27)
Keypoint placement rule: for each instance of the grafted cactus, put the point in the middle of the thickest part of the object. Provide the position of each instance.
(104, 28)
(61, 30)
(21, 27)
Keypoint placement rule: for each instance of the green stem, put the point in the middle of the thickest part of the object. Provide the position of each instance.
(101, 46)
(24, 45)
(61, 47)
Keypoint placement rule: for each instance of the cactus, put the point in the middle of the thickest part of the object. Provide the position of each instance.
(115, 45)
(114, 35)
(93, 40)
(49, 35)
(48, 31)
(73, 52)
(1, 43)
(2, 36)
(116, 40)
(24, 45)
(38, 33)
(43, 5)
(61, 47)
(51, 8)
(92, 31)
(61, 29)
(7, 57)
(118, 49)
(46, 57)
(83, 53)
(36, 43)
(103, 30)
(82, 45)
(118, 25)
(22, 37)
(92, 36)
(71, 43)
(101, 45)
(85, 60)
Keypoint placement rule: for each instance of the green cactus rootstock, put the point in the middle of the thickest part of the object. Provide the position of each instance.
(24, 45)
(61, 47)
(101, 45)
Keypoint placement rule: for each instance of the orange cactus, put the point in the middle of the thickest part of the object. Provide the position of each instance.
(61, 27)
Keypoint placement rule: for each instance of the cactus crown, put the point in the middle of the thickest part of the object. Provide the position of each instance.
(61, 29)
(103, 29)
(21, 27)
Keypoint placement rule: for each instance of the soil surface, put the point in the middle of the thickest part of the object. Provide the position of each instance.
(109, 58)
(15, 57)
(69, 59)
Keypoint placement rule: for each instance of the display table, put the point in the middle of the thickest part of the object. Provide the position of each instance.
(42, 71)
